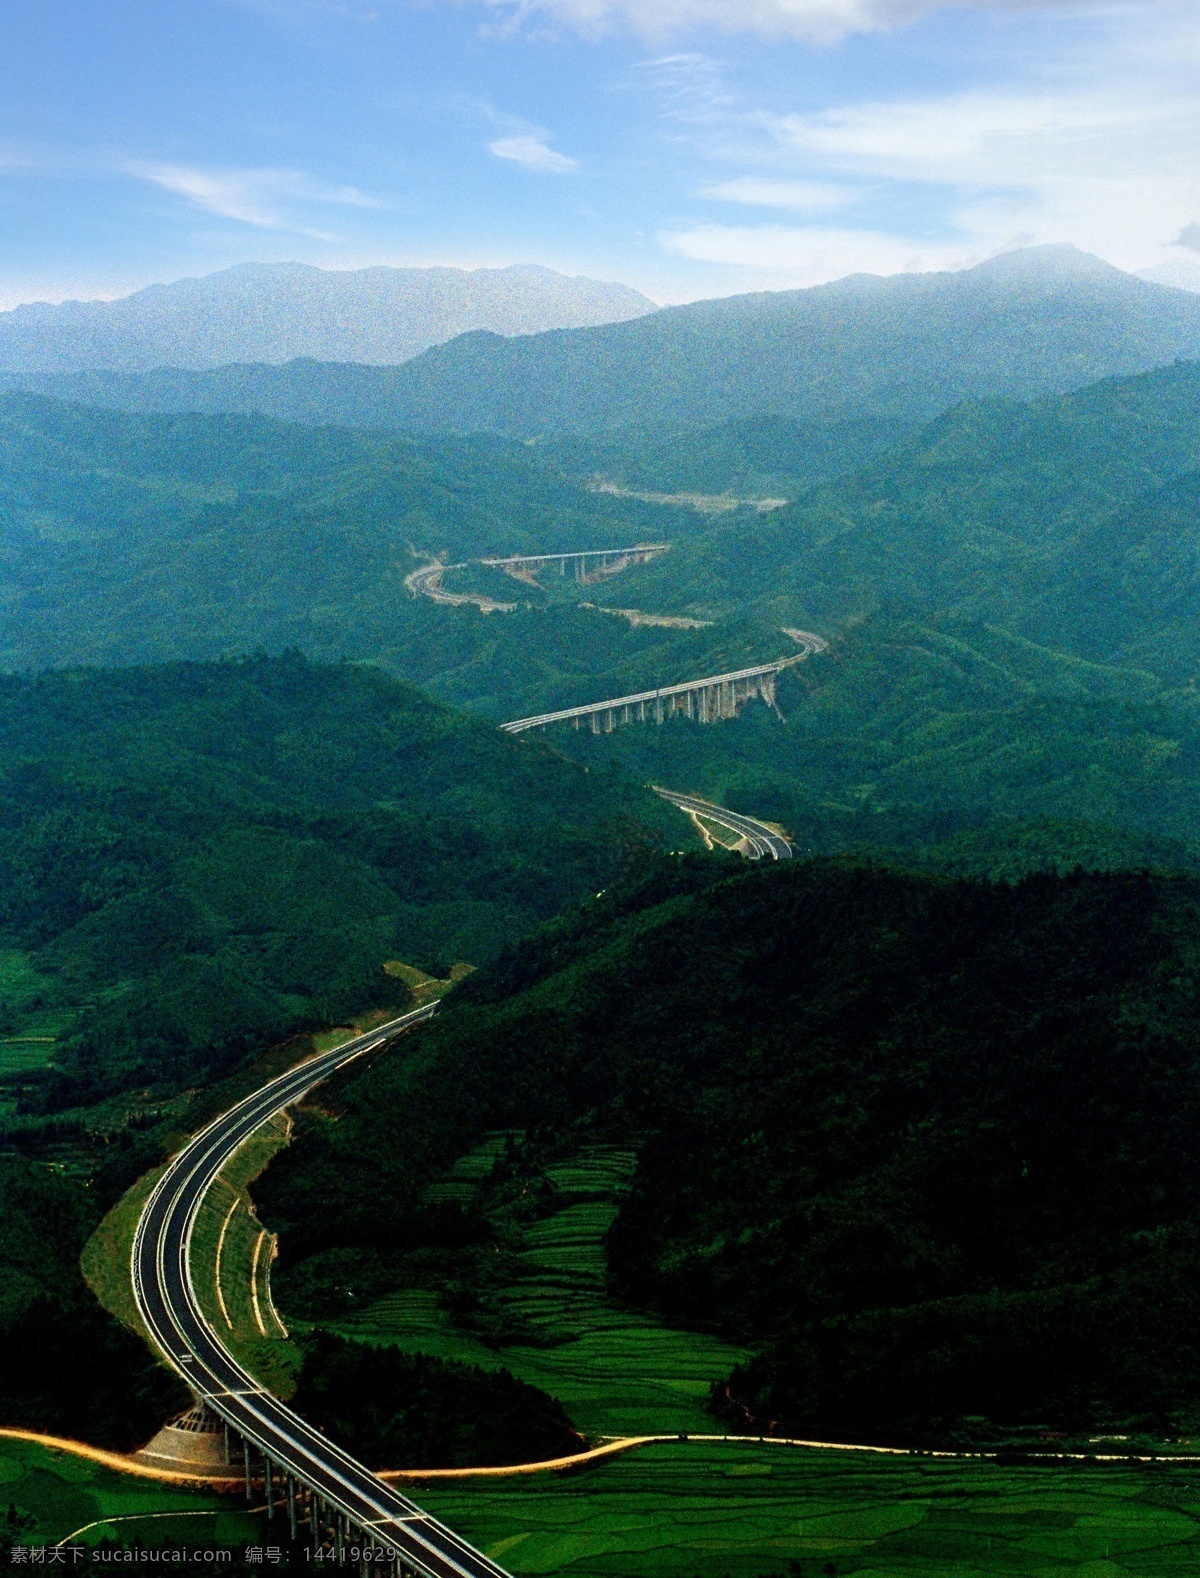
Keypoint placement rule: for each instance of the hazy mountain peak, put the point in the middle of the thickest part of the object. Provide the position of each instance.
(276, 312)
(1181, 273)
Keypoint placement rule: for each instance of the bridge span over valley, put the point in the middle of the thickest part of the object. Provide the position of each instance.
(588, 564)
(708, 700)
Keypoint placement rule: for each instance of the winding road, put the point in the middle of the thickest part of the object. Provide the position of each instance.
(763, 840)
(167, 1301)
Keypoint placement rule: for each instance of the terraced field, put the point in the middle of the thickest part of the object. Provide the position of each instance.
(616, 1372)
(744, 1510)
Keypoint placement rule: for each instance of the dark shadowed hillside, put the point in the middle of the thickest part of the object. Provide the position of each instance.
(931, 1145)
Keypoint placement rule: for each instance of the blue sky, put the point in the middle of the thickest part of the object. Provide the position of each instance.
(689, 147)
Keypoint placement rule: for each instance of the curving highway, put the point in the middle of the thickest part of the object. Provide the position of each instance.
(362, 1504)
(763, 840)
(728, 691)
(168, 1304)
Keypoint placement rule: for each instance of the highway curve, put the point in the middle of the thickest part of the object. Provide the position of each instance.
(168, 1304)
(763, 840)
(167, 1301)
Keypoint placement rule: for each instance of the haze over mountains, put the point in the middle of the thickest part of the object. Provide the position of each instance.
(1041, 320)
(273, 312)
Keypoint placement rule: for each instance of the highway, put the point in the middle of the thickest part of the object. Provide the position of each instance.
(166, 1297)
(734, 683)
(762, 839)
(168, 1304)
(427, 582)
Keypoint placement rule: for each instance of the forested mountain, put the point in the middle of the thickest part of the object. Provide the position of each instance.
(1070, 520)
(760, 457)
(274, 312)
(139, 538)
(863, 348)
(926, 1143)
(911, 731)
(931, 1144)
(1013, 600)
(203, 858)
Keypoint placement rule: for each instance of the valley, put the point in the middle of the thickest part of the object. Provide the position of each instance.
(807, 895)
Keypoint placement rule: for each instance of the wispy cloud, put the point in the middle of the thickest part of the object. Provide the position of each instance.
(1096, 142)
(264, 198)
(807, 255)
(763, 192)
(819, 21)
(533, 152)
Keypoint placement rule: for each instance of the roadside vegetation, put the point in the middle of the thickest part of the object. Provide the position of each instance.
(67, 1366)
(47, 1494)
(773, 1512)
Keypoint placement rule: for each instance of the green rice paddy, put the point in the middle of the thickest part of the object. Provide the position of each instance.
(615, 1371)
(744, 1510)
(47, 1495)
(677, 1509)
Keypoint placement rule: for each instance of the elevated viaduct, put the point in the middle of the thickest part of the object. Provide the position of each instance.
(707, 700)
(591, 564)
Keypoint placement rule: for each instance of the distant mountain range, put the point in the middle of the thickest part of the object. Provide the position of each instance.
(1183, 273)
(279, 311)
(1036, 321)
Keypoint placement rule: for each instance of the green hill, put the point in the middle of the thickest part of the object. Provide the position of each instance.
(197, 860)
(931, 1145)
(1041, 516)
(913, 730)
(133, 539)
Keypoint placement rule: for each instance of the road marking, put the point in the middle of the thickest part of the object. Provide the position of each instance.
(267, 1294)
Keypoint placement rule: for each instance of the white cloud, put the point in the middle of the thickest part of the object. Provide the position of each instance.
(258, 197)
(983, 135)
(1111, 166)
(821, 21)
(1096, 142)
(807, 255)
(763, 192)
(533, 152)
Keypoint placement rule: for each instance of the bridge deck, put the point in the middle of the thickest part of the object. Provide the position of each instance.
(643, 696)
(578, 553)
